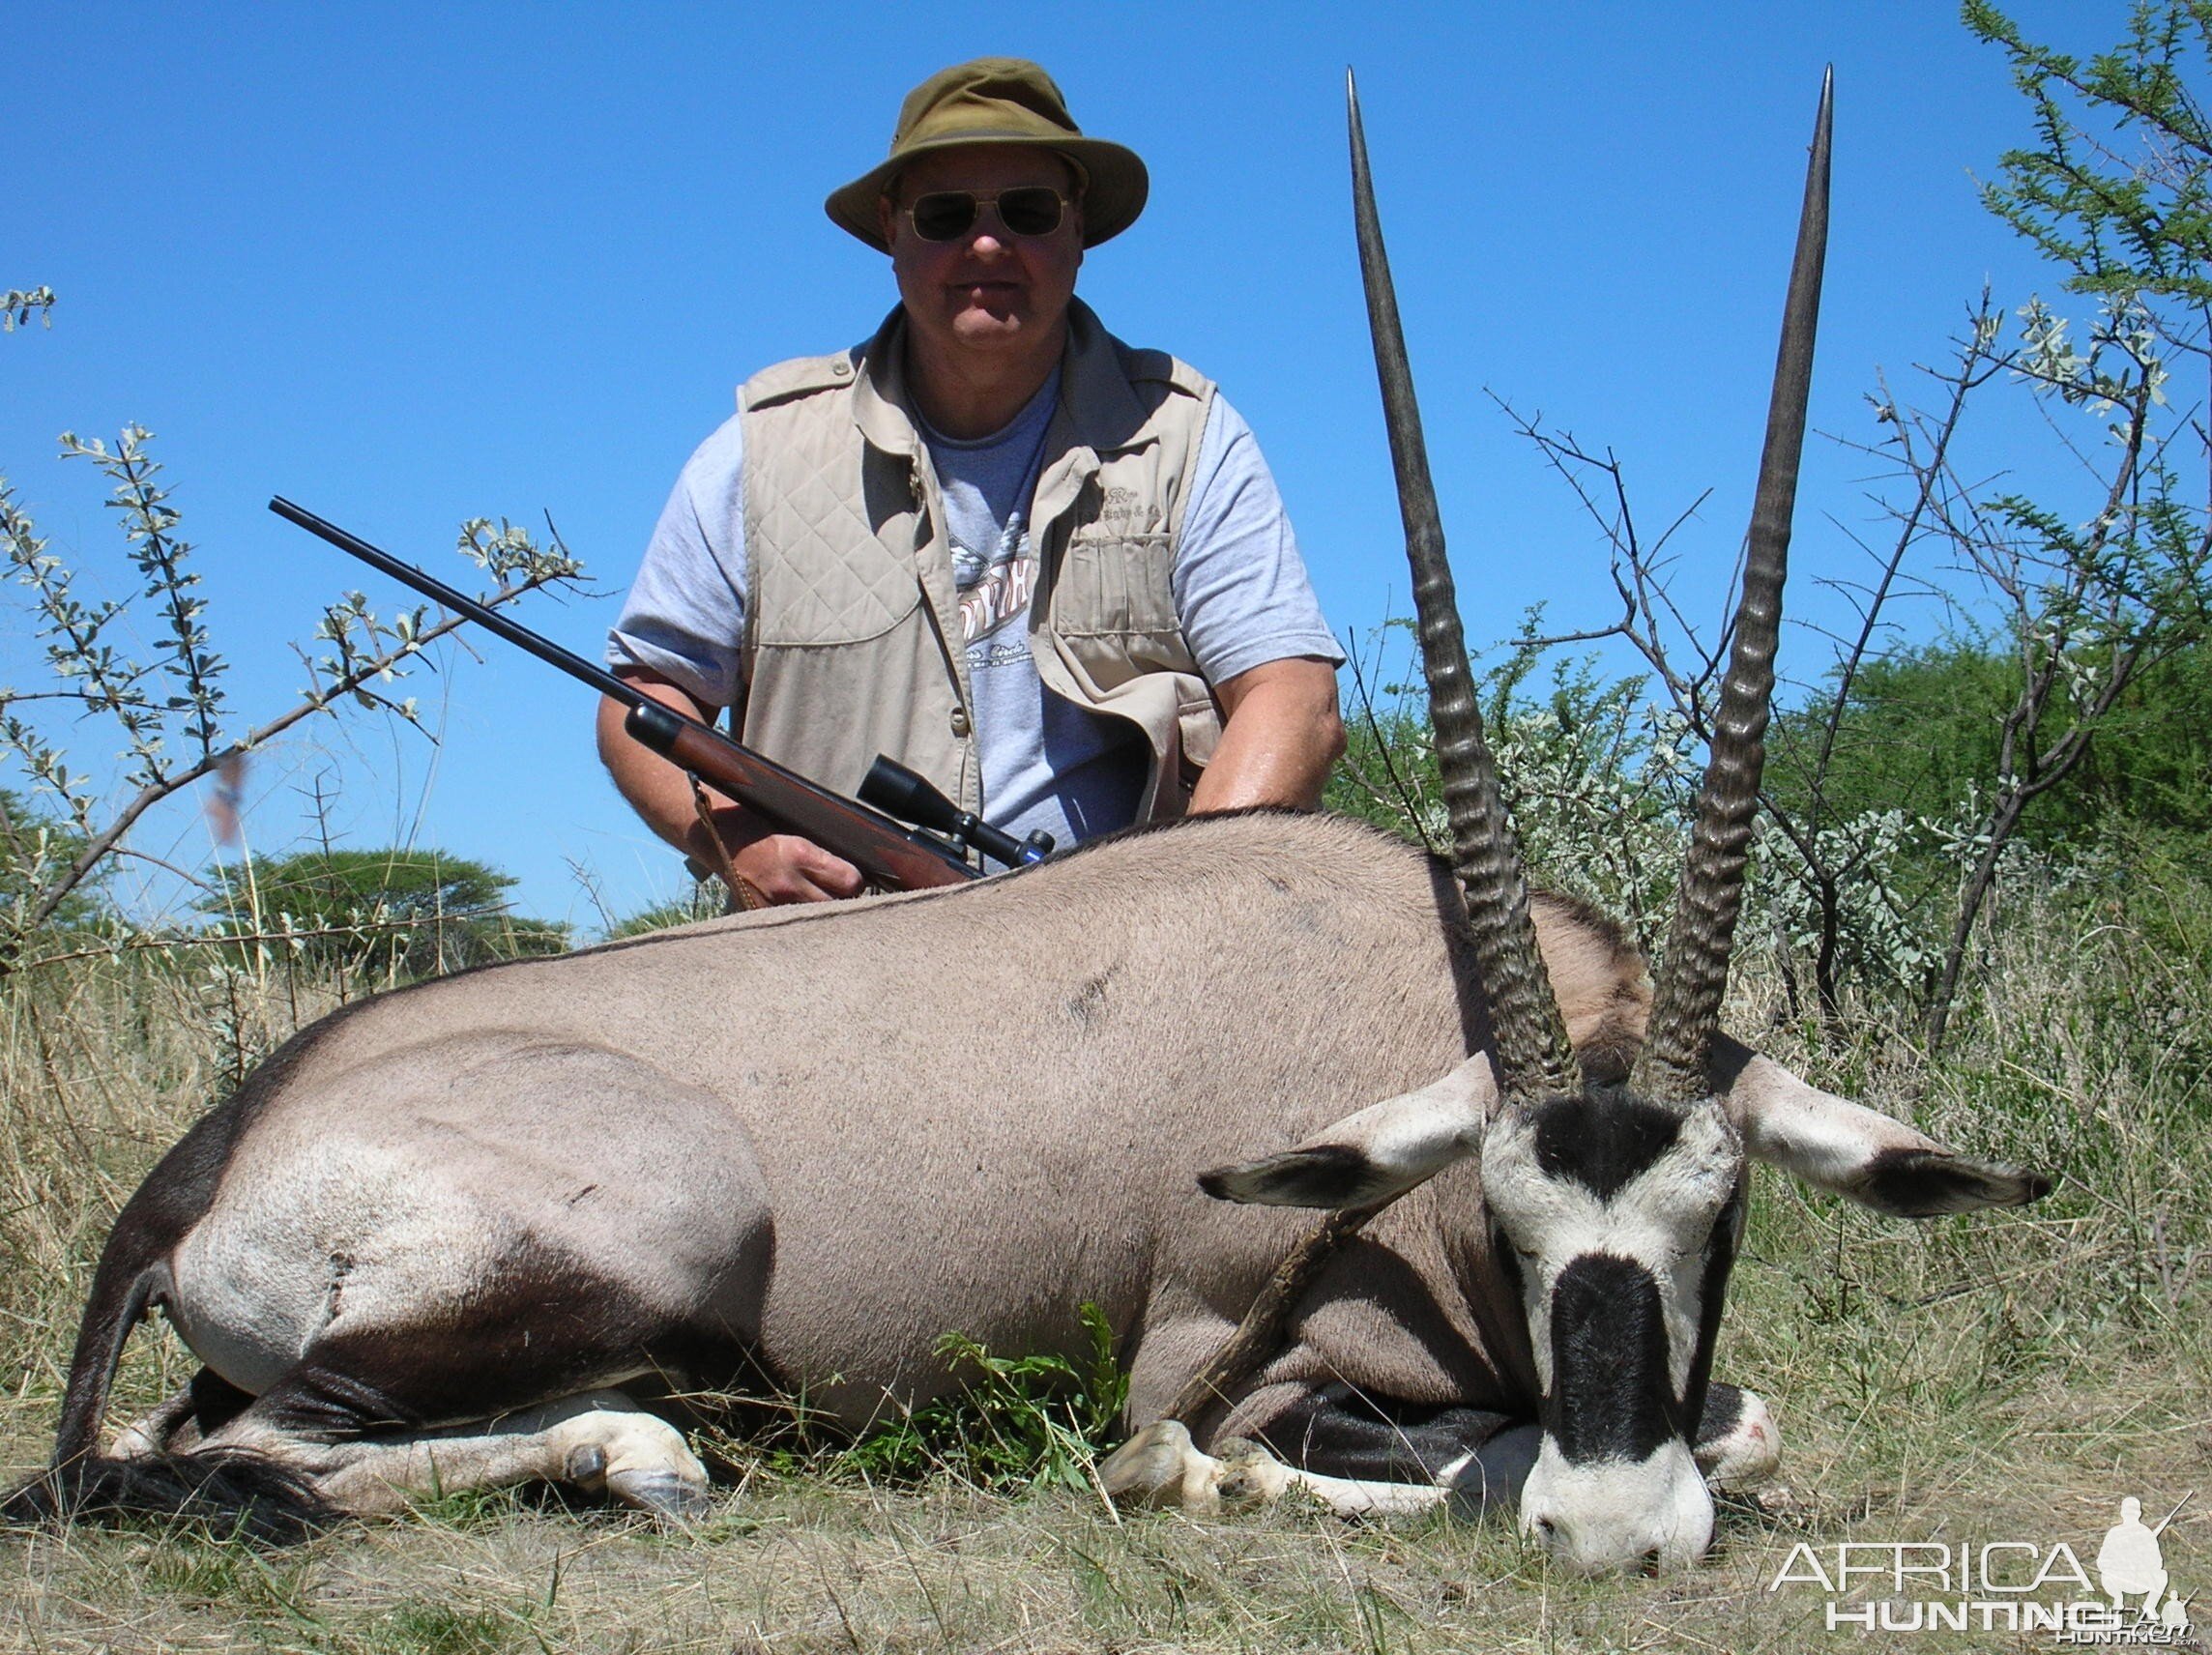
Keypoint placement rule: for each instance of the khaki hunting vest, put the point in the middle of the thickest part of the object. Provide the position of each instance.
(852, 643)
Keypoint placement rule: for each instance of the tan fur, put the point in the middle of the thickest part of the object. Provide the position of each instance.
(816, 1140)
(841, 1133)
(1597, 977)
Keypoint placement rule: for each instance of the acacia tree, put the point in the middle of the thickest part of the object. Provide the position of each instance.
(1822, 884)
(385, 913)
(1598, 778)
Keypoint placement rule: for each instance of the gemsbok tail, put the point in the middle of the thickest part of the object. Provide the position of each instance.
(230, 1491)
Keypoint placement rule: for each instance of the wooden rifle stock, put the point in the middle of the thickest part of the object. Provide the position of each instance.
(889, 855)
(893, 858)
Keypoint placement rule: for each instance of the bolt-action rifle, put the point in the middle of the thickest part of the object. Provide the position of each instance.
(891, 856)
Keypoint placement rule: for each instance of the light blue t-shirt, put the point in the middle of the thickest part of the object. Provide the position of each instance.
(1240, 592)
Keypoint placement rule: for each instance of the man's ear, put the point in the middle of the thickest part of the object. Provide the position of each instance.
(1379, 1153)
(1078, 186)
(887, 215)
(1878, 1162)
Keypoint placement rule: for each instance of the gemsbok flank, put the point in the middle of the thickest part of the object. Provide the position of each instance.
(464, 1233)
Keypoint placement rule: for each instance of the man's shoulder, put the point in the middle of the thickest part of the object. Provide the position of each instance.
(1139, 366)
(1157, 368)
(800, 377)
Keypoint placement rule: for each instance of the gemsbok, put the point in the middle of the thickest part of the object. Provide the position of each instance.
(470, 1232)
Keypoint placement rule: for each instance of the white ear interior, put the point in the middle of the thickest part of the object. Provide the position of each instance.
(1857, 1153)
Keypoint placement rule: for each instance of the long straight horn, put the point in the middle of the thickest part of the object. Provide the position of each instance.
(1533, 1057)
(1694, 975)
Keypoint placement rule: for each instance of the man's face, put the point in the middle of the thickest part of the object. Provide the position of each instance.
(986, 291)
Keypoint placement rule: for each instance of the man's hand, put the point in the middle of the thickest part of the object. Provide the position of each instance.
(782, 867)
(1279, 737)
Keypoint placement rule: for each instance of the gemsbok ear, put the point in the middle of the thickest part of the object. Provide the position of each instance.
(1867, 1156)
(1375, 1155)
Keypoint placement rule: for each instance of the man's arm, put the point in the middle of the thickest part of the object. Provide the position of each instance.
(783, 866)
(1248, 613)
(1280, 736)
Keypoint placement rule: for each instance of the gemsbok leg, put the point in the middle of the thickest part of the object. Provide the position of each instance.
(1364, 1458)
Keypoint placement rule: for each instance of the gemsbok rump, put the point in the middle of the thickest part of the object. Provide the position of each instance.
(465, 1233)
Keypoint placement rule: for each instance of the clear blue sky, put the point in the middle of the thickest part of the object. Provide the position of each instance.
(410, 265)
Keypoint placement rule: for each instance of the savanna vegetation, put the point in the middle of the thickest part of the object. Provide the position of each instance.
(1982, 900)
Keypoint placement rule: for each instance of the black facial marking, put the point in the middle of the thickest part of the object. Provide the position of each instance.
(1611, 1398)
(1713, 1287)
(1602, 1139)
(1329, 1174)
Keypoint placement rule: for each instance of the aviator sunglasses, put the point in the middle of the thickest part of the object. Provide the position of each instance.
(1025, 210)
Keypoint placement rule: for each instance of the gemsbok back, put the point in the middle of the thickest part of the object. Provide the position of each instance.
(470, 1232)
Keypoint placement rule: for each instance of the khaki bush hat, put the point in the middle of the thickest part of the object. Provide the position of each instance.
(999, 100)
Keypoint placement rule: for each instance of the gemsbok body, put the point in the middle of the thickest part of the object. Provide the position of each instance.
(464, 1233)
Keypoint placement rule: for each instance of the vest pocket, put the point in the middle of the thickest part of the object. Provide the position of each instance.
(1113, 583)
(809, 604)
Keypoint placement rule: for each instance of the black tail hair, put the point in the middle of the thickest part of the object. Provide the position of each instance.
(226, 1488)
(228, 1491)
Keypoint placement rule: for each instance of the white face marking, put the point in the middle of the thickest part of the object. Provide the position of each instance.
(1617, 1514)
(1661, 1219)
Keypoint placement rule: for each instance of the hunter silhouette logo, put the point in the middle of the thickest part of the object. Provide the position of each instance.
(2131, 1561)
(2132, 1599)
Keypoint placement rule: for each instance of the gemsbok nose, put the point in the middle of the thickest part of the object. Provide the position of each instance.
(1615, 1513)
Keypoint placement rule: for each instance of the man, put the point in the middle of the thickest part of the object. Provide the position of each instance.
(1050, 573)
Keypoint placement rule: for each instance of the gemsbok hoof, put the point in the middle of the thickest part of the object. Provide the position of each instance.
(1148, 1468)
(662, 1495)
(1739, 1447)
(1248, 1474)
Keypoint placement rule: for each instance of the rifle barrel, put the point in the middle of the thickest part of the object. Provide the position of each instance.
(893, 856)
(438, 592)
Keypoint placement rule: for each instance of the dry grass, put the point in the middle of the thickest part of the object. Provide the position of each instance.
(1973, 1378)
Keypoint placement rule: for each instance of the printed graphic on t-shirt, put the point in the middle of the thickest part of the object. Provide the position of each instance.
(995, 589)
